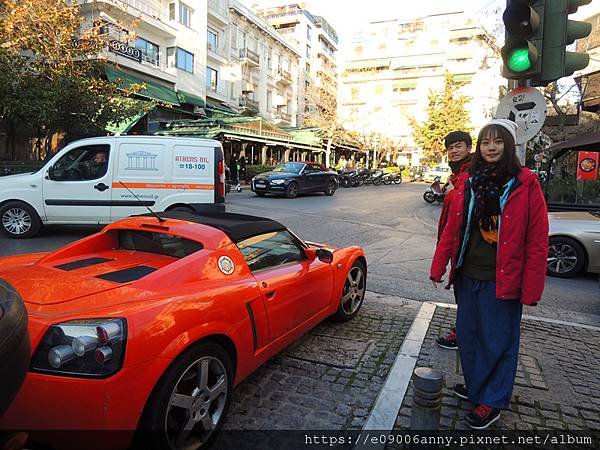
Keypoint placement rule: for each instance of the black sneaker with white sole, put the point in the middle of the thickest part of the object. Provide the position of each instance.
(460, 390)
(449, 341)
(482, 417)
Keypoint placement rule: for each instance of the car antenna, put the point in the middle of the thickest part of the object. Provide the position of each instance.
(160, 219)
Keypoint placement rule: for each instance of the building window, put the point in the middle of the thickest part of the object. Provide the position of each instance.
(269, 100)
(212, 40)
(358, 51)
(185, 60)
(308, 32)
(185, 15)
(269, 58)
(307, 68)
(212, 78)
(355, 93)
(306, 84)
(149, 50)
(234, 37)
(307, 51)
(172, 11)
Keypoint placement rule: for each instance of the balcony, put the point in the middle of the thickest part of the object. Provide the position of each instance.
(216, 91)
(284, 117)
(125, 55)
(283, 77)
(249, 104)
(250, 57)
(217, 12)
(151, 12)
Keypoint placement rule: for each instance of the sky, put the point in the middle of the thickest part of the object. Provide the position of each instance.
(348, 16)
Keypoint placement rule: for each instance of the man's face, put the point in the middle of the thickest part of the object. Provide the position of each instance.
(458, 151)
(99, 158)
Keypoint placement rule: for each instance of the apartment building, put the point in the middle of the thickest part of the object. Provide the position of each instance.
(588, 79)
(250, 67)
(161, 43)
(317, 42)
(396, 63)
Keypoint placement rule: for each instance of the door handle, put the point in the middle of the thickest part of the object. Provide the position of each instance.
(101, 187)
(270, 294)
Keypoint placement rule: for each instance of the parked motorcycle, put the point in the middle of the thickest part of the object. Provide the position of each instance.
(377, 177)
(348, 178)
(435, 192)
(392, 177)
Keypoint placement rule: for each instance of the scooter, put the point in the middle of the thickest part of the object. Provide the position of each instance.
(435, 192)
(392, 177)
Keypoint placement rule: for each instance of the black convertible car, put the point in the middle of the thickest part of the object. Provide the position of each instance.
(293, 178)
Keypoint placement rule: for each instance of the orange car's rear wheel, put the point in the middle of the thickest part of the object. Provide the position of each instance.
(353, 292)
(190, 402)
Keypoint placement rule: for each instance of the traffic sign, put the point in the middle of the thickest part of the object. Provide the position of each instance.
(526, 106)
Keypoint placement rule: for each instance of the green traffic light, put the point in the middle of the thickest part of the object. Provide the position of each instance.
(519, 61)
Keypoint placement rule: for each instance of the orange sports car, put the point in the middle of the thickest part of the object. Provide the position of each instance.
(150, 323)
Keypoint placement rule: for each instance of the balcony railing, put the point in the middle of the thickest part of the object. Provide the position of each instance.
(283, 76)
(249, 55)
(152, 8)
(217, 89)
(250, 104)
(286, 117)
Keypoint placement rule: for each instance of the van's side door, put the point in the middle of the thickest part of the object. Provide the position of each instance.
(77, 187)
(142, 177)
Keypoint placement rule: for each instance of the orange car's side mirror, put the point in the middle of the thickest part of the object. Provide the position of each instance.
(324, 255)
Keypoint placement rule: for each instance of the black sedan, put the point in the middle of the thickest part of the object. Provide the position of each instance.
(293, 178)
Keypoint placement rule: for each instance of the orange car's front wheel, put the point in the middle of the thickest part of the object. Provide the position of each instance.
(189, 404)
(353, 292)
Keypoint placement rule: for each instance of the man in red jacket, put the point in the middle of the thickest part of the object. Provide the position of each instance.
(458, 145)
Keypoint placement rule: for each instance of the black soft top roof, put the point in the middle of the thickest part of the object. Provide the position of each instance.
(237, 226)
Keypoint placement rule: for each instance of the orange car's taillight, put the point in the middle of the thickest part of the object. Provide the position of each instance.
(93, 348)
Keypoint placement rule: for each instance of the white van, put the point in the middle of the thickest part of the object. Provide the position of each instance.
(100, 180)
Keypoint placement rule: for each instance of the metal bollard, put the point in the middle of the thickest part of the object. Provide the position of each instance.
(427, 399)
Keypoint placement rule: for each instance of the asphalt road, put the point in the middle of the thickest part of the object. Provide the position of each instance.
(394, 225)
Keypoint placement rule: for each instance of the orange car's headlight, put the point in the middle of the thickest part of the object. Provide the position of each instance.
(90, 348)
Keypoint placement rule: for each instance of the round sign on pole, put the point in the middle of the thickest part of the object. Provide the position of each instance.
(526, 106)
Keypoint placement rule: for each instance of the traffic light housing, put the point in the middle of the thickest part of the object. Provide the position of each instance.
(559, 32)
(522, 51)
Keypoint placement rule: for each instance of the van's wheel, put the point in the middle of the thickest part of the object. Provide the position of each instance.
(19, 220)
(331, 188)
(190, 401)
(353, 292)
(292, 190)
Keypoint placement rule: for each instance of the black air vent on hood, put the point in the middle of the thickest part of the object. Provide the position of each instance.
(82, 263)
(126, 275)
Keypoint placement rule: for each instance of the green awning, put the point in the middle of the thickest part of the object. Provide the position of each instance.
(152, 89)
(405, 84)
(463, 78)
(125, 125)
(222, 109)
(191, 99)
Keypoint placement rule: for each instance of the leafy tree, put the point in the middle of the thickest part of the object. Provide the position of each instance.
(446, 112)
(50, 73)
(323, 115)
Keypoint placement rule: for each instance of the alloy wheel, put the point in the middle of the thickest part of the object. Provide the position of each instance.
(562, 258)
(197, 404)
(354, 290)
(16, 221)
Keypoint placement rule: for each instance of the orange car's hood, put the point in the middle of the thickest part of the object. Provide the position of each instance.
(42, 285)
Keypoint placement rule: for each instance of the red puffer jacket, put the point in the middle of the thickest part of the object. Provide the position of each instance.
(457, 179)
(522, 241)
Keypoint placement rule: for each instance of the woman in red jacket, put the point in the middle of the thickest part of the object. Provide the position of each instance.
(496, 240)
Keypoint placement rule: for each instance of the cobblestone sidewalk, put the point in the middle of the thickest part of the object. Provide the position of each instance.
(329, 379)
(557, 385)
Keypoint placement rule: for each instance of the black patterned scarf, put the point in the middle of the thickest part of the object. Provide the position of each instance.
(487, 184)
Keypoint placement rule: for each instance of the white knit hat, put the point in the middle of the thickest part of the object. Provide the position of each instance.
(509, 125)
